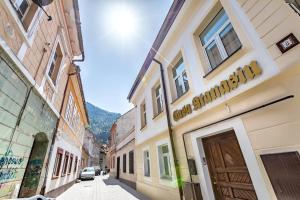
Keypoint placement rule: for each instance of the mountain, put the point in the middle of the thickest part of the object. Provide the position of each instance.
(101, 121)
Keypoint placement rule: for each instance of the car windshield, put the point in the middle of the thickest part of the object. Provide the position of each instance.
(90, 169)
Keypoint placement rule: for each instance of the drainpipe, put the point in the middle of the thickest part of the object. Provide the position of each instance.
(55, 130)
(177, 170)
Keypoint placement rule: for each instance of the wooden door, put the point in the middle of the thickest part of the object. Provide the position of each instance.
(283, 170)
(227, 168)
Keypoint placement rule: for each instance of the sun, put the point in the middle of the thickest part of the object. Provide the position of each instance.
(122, 21)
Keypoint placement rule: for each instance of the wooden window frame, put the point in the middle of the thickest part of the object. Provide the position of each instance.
(124, 163)
(70, 164)
(75, 164)
(57, 163)
(65, 165)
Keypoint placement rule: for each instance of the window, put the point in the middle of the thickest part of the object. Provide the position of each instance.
(180, 78)
(55, 64)
(69, 110)
(131, 162)
(66, 159)
(146, 163)
(124, 163)
(57, 164)
(113, 162)
(219, 40)
(158, 104)
(70, 164)
(75, 165)
(25, 10)
(164, 162)
(295, 4)
(143, 115)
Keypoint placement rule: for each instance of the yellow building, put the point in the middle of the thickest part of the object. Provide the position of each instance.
(231, 71)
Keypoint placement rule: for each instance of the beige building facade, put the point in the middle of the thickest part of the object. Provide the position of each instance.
(231, 74)
(121, 151)
(35, 57)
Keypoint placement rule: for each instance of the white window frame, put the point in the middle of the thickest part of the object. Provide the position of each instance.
(143, 111)
(158, 98)
(70, 107)
(179, 77)
(167, 182)
(17, 5)
(146, 159)
(217, 39)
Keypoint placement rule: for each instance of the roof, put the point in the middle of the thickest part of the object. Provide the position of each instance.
(164, 29)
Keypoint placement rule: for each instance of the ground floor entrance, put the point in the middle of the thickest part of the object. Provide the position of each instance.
(227, 168)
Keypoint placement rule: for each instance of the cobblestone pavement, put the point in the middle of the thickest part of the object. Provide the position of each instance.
(102, 188)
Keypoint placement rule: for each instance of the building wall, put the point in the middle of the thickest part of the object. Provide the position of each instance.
(70, 139)
(259, 26)
(28, 53)
(126, 176)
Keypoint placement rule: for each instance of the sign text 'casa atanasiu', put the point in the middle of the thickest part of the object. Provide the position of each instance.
(240, 76)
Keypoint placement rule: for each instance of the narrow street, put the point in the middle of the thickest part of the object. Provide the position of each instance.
(102, 188)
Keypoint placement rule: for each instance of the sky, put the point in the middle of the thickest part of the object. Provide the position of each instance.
(117, 36)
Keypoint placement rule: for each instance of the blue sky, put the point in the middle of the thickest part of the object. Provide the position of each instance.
(112, 59)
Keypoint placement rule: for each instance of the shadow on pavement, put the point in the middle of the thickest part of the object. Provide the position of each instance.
(112, 181)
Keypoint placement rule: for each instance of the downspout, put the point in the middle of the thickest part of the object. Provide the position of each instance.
(177, 170)
(55, 131)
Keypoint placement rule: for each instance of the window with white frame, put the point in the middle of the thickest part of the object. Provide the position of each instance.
(25, 10)
(146, 163)
(295, 4)
(219, 39)
(180, 78)
(69, 110)
(55, 64)
(158, 100)
(164, 162)
(143, 114)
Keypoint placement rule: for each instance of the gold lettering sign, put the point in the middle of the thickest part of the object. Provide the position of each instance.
(240, 76)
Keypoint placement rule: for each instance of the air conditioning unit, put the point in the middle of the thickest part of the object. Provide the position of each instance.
(192, 191)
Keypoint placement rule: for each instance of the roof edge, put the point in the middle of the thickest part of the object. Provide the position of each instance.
(163, 31)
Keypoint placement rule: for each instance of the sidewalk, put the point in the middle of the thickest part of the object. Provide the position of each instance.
(102, 188)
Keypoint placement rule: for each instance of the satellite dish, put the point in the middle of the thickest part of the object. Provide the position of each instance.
(42, 2)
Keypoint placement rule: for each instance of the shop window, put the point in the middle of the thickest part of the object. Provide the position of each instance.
(70, 164)
(75, 164)
(57, 164)
(219, 40)
(66, 159)
(164, 162)
(143, 114)
(25, 10)
(146, 163)
(180, 79)
(157, 100)
(55, 64)
(124, 163)
(131, 162)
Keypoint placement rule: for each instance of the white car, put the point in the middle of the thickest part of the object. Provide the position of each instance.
(88, 173)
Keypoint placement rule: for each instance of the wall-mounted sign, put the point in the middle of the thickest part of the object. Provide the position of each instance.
(240, 76)
(287, 43)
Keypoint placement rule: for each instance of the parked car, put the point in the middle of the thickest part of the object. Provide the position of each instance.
(97, 170)
(87, 173)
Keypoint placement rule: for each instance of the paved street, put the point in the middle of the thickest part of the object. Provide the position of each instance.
(102, 188)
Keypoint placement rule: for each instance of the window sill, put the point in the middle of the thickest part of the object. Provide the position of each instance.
(63, 175)
(54, 177)
(155, 117)
(143, 127)
(219, 65)
(178, 99)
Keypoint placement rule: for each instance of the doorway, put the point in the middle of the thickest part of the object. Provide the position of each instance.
(31, 179)
(227, 168)
(118, 168)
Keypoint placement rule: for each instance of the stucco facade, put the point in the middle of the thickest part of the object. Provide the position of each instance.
(32, 90)
(262, 111)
